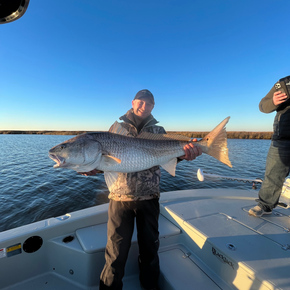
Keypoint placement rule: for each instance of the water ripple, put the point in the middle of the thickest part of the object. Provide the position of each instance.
(32, 190)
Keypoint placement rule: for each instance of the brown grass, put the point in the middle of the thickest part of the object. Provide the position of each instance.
(230, 134)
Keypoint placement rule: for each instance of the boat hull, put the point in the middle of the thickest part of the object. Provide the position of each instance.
(207, 239)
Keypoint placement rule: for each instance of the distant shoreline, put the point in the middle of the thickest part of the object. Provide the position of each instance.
(193, 134)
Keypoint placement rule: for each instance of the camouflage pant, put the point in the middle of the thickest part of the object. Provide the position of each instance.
(120, 231)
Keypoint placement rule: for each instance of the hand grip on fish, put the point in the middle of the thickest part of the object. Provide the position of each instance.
(116, 152)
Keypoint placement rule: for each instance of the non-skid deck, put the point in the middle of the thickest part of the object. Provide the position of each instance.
(247, 252)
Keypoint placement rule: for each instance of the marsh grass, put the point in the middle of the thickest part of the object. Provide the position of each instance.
(230, 134)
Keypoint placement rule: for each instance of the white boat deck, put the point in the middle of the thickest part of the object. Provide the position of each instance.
(207, 241)
(250, 253)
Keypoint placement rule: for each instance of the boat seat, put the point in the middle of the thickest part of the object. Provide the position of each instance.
(94, 238)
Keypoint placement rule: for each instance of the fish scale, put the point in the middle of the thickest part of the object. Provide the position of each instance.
(137, 154)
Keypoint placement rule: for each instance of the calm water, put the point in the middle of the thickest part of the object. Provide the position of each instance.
(32, 190)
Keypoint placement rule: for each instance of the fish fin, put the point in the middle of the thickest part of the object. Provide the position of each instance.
(215, 143)
(117, 128)
(110, 160)
(166, 137)
(110, 178)
(170, 166)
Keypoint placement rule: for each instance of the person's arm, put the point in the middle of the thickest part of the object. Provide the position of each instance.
(191, 151)
(272, 101)
(279, 98)
(90, 173)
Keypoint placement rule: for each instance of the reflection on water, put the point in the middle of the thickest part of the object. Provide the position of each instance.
(32, 190)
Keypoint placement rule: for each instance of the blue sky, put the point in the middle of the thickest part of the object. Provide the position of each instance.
(76, 65)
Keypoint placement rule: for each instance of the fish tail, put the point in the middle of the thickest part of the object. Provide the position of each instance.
(215, 143)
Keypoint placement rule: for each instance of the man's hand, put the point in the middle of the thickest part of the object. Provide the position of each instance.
(90, 173)
(191, 151)
(279, 98)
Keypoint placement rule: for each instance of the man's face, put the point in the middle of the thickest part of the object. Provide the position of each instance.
(142, 108)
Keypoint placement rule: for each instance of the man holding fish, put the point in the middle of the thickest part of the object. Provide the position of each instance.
(136, 195)
(130, 155)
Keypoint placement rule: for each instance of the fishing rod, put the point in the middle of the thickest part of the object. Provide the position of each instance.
(285, 191)
(201, 176)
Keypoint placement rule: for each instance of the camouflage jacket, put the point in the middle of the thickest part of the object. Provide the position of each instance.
(140, 185)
